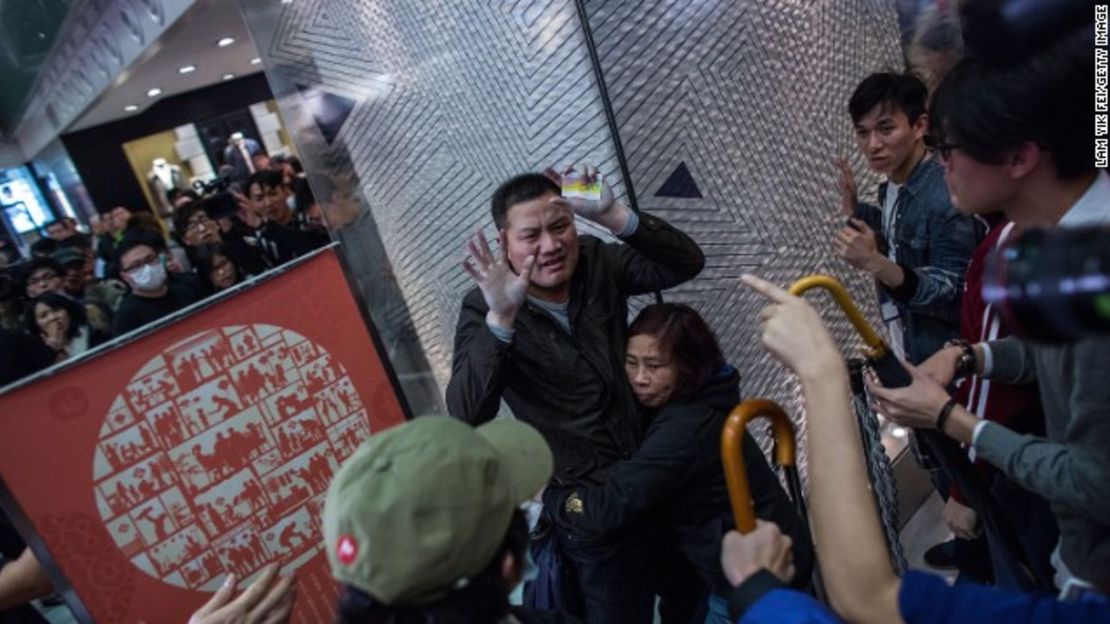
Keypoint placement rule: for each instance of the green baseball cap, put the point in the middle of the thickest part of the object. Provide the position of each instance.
(69, 255)
(420, 508)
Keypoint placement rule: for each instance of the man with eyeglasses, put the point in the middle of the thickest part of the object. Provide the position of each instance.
(196, 228)
(155, 292)
(1020, 139)
(41, 275)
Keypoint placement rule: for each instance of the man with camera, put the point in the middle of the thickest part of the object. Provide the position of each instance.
(194, 223)
(282, 236)
(1010, 142)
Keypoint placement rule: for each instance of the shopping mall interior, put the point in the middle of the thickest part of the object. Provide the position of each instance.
(244, 240)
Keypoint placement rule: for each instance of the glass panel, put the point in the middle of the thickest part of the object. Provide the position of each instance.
(24, 207)
(28, 29)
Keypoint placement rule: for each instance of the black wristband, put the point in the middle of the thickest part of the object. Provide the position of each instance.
(750, 591)
(945, 412)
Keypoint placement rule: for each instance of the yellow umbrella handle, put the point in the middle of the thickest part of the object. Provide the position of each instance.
(882, 360)
(844, 300)
(732, 454)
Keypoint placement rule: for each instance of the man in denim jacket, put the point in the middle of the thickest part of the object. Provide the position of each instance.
(915, 243)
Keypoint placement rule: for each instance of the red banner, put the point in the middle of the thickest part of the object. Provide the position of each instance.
(204, 448)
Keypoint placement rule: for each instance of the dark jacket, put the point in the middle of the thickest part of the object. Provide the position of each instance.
(21, 355)
(134, 311)
(934, 243)
(678, 470)
(571, 387)
(282, 243)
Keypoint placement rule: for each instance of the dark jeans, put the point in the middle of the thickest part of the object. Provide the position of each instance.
(614, 573)
(683, 595)
(1036, 528)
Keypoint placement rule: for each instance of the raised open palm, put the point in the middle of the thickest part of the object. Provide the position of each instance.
(503, 289)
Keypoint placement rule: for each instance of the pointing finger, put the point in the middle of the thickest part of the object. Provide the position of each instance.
(765, 288)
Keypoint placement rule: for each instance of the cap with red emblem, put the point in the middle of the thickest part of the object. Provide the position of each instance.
(420, 508)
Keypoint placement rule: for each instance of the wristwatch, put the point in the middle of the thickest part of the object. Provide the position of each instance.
(967, 363)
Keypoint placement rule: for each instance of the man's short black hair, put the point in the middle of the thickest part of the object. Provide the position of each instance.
(36, 263)
(80, 241)
(270, 178)
(44, 246)
(988, 111)
(518, 189)
(904, 92)
(183, 213)
(292, 161)
(136, 237)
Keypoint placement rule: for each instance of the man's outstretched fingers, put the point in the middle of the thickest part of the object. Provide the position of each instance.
(484, 245)
(469, 268)
(273, 600)
(526, 270)
(472, 249)
(258, 589)
(216, 602)
(220, 598)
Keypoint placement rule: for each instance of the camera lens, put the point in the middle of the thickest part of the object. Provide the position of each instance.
(1052, 285)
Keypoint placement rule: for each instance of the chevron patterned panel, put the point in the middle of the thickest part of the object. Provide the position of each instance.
(449, 99)
(730, 113)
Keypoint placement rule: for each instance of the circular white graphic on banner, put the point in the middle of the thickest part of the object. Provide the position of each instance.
(216, 456)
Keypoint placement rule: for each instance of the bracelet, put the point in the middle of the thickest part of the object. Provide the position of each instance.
(945, 412)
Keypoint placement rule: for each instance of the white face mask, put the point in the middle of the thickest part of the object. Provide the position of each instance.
(149, 277)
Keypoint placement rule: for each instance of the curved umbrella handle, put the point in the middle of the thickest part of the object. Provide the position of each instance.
(882, 359)
(844, 300)
(732, 454)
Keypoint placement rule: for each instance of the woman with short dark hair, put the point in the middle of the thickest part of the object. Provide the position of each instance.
(215, 267)
(681, 380)
(59, 322)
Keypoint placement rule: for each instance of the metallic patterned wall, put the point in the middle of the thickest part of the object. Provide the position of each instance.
(745, 104)
(729, 112)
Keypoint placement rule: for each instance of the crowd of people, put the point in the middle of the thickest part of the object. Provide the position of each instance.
(616, 429)
(78, 289)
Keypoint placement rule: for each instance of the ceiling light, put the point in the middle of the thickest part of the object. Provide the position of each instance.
(130, 108)
(226, 41)
(228, 76)
(155, 92)
(187, 69)
(255, 61)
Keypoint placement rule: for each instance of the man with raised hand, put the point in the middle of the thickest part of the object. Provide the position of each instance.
(544, 329)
